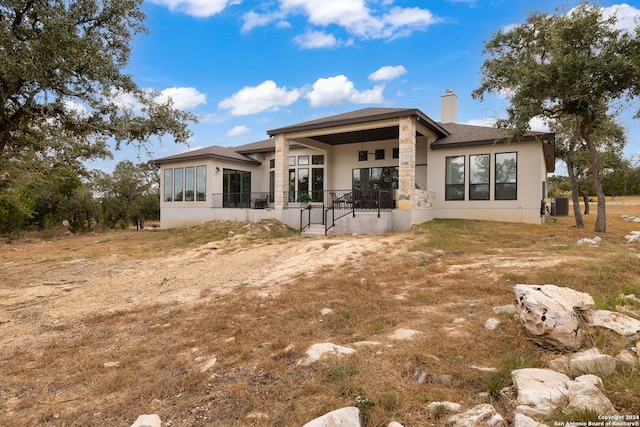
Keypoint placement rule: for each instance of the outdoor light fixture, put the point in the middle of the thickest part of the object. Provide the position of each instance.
(217, 168)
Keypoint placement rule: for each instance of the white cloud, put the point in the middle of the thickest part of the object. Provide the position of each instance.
(387, 73)
(266, 96)
(197, 8)
(337, 90)
(315, 40)
(537, 124)
(238, 130)
(355, 16)
(76, 108)
(625, 14)
(183, 97)
(253, 20)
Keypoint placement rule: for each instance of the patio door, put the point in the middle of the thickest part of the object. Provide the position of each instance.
(236, 188)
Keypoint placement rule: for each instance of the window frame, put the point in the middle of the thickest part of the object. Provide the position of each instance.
(178, 188)
(201, 183)
(449, 188)
(501, 187)
(474, 195)
(168, 185)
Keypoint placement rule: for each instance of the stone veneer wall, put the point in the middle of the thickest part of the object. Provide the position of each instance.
(424, 199)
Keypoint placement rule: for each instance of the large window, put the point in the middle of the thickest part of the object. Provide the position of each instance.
(479, 166)
(185, 184)
(201, 183)
(178, 183)
(189, 184)
(454, 178)
(506, 176)
(168, 185)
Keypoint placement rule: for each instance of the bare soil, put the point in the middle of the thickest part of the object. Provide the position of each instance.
(96, 329)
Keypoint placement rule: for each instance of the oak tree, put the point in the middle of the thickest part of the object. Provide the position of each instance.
(573, 64)
(63, 90)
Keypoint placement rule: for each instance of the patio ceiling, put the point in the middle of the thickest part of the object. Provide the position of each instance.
(359, 136)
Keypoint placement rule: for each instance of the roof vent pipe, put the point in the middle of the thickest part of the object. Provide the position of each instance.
(449, 103)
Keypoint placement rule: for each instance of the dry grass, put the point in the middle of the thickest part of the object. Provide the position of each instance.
(444, 287)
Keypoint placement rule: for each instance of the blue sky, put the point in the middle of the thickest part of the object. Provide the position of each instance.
(248, 66)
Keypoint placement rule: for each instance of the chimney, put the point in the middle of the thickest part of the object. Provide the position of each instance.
(449, 107)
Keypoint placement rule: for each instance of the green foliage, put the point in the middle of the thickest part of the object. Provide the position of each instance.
(568, 68)
(61, 65)
(130, 195)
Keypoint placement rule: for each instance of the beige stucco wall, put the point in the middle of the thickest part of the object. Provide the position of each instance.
(530, 175)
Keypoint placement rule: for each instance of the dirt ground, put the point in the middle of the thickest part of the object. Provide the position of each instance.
(38, 294)
(52, 290)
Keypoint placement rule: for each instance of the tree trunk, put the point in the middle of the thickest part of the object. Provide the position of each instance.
(585, 197)
(575, 192)
(601, 219)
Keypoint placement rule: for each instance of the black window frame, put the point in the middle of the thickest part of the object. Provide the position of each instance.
(505, 190)
(454, 192)
(475, 188)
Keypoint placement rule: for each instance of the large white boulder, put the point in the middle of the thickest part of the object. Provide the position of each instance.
(548, 315)
(345, 417)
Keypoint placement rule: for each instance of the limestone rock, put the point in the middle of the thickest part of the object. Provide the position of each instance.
(209, 364)
(403, 334)
(435, 408)
(492, 324)
(149, 420)
(620, 323)
(590, 378)
(561, 364)
(317, 351)
(627, 358)
(522, 420)
(345, 417)
(634, 237)
(326, 312)
(540, 391)
(591, 361)
(394, 424)
(584, 396)
(587, 241)
(547, 314)
(483, 415)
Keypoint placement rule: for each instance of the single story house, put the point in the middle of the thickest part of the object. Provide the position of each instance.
(371, 170)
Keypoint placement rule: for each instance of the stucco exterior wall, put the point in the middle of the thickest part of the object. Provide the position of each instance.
(182, 213)
(531, 173)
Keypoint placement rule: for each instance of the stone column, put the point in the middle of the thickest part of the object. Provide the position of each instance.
(407, 170)
(282, 172)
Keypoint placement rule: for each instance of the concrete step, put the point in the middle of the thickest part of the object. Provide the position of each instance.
(314, 230)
